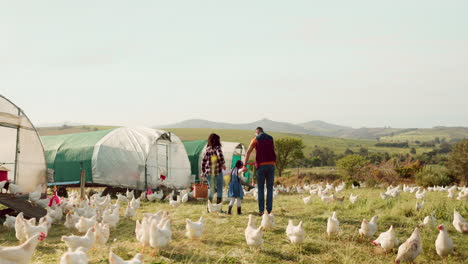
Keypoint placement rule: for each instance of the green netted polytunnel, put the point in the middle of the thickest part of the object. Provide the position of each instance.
(123, 157)
(232, 151)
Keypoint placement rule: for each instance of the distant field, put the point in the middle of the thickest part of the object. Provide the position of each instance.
(429, 134)
(339, 145)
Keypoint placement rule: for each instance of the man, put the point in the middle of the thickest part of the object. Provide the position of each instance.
(265, 161)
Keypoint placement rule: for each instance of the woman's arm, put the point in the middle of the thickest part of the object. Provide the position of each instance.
(221, 159)
(205, 160)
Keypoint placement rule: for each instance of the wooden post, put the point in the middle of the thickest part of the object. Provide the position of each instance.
(82, 181)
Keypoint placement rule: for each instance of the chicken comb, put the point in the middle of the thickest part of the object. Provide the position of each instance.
(42, 236)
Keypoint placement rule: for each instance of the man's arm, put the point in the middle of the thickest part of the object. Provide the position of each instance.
(249, 151)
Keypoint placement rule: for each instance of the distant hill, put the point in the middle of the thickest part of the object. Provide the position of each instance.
(270, 125)
(321, 128)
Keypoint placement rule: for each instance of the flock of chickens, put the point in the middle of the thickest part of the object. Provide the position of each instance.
(95, 216)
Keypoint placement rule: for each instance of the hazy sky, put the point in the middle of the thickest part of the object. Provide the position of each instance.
(358, 63)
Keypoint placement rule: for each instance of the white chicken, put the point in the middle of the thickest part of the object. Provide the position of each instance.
(459, 222)
(19, 227)
(444, 244)
(74, 257)
(135, 203)
(71, 219)
(296, 234)
(101, 233)
(214, 208)
(122, 198)
(86, 241)
(387, 240)
(307, 199)
(410, 249)
(353, 198)
(143, 196)
(268, 221)
(142, 231)
(184, 198)
(420, 195)
(253, 235)
(129, 211)
(35, 196)
(333, 225)
(429, 220)
(84, 224)
(384, 196)
(368, 228)
(194, 230)
(9, 221)
(21, 254)
(160, 234)
(174, 203)
(155, 196)
(114, 259)
(111, 218)
(31, 230)
(14, 189)
(130, 194)
(419, 206)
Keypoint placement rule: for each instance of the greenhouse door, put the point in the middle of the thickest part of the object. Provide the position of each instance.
(157, 165)
(8, 152)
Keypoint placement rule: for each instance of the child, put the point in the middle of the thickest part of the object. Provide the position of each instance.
(235, 188)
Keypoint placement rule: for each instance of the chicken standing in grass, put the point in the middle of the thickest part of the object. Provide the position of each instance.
(253, 235)
(353, 198)
(86, 241)
(410, 249)
(444, 244)
(21, 254)
(214, 208)
(194, 230)
(387, 240)
(368, 228)
(295, 234)
(114, 259)
(333, 225)
(74, 257)
(307, 199)
(268, 221)
(459, 222)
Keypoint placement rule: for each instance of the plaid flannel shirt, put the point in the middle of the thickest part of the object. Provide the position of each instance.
(206, 163)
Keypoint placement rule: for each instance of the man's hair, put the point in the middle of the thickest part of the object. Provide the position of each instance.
(259, 129)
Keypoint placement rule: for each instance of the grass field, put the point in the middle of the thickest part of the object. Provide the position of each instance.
(223, 241)
(339, 145)
(429, 134)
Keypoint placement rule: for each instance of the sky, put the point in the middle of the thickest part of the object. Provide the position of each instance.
(143, 63)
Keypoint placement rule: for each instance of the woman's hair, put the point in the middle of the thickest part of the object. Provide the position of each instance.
(214, 140)
(239, 164)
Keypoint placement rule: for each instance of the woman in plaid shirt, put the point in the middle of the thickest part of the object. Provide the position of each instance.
(213, 164)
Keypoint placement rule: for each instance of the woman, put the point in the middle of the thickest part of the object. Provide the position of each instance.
(213, 166)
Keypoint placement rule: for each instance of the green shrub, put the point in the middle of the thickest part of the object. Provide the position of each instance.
(430, 176)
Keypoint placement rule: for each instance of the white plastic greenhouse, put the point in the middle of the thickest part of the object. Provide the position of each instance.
(21, 152)
(123, 157)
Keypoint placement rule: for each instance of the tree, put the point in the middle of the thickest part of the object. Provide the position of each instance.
(350, 165)
(412, 151)
(288, 150)
(458, 161)
(348, 152)
(325, 155)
